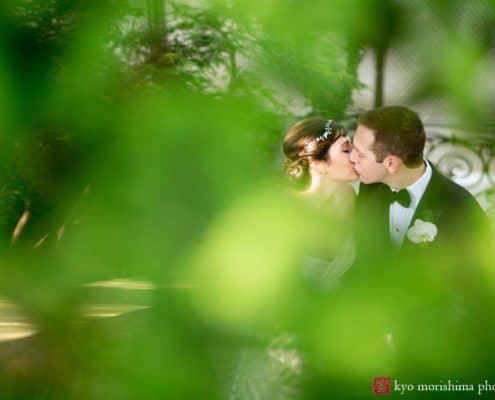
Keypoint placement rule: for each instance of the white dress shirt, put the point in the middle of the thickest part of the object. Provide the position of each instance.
(399, 216)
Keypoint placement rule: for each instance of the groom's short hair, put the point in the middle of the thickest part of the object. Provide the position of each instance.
(398, 131)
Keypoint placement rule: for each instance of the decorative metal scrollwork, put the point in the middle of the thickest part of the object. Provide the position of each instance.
(491, 171)
(459, 163)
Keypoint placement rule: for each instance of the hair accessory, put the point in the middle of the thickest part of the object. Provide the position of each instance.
(327, 133)
(295, 171)
(310, 147)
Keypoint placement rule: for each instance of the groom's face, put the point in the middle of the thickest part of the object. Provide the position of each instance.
(364, 159)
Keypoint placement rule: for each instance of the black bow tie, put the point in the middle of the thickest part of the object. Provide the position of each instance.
(402, 197)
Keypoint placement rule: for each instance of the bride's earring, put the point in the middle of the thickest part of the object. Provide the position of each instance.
(319, 168)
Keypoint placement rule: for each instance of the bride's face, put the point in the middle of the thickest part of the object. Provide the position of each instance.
(339, 166)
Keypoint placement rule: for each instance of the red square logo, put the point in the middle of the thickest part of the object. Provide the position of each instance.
(381, 385)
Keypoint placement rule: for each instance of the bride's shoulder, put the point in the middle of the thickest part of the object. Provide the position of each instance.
(344, 202)
(346, 195)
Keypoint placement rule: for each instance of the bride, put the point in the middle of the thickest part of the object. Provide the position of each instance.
(318, 164)
(318, 157)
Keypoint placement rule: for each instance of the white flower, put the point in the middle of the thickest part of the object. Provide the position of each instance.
(422, 232)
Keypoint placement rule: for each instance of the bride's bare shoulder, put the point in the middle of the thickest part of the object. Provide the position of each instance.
(347, 193)
(346, 199)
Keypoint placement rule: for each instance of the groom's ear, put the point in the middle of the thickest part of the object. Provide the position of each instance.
(392, 163)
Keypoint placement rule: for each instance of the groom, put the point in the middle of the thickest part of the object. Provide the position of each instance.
(403, 199)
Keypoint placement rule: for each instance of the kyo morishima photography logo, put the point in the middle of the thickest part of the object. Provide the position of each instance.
(383, 385)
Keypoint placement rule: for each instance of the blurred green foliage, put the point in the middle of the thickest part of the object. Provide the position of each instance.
(143, 140)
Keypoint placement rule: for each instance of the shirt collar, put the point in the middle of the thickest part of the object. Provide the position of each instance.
(417, 189)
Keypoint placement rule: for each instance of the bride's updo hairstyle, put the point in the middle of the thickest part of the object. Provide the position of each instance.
(308, 139)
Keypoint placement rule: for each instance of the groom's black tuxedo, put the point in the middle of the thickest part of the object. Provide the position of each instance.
(442, 278)
(454, 211)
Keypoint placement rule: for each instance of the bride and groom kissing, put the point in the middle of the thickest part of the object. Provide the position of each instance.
(403, 203)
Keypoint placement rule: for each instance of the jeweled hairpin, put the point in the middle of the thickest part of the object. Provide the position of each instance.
(310, 147)
(327, 133)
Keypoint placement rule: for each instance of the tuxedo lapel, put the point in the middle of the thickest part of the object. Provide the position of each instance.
(384, 208)
(374, 206)
(430, 206)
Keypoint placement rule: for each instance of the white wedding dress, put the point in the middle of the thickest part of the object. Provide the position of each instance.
(274, 372)
(326, 273)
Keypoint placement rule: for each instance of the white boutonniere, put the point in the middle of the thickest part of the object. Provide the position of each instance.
(422, 232)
